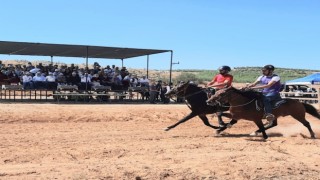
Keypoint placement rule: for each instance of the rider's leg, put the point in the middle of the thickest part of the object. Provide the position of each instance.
(268, 108)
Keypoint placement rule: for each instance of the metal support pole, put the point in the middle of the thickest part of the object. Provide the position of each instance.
(87, 68)
(147, 66)
(170, 76)
(121, 63)
(52, 60)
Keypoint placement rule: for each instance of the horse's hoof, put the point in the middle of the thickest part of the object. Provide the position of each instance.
(166, 129)
(229, 125)
(218, 133)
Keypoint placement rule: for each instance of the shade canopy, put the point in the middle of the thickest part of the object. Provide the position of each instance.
(65, 50)
(311, 79)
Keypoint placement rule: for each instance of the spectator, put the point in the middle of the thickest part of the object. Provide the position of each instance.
(134, 81)
(27, 81)
(74, 79)
(51, 81)
(153, 92)
(85, 82)
(61, 79)
(144, 82)
(164, 88)
(39, 81)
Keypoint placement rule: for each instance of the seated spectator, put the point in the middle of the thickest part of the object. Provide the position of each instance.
(144, 82)
(134, 81)
(85, 83)
(126, 81)
(61, 79)
(2, 77)
(27, 81)
(117, 82)
(39, 81)
(14, 79)
(29, 66)
(35, 70)
(74, 79)
(51, 81)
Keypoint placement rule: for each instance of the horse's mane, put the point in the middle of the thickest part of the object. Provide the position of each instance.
(249, 93)
(194, 85)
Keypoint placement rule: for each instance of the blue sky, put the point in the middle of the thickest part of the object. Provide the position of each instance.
(203, 34)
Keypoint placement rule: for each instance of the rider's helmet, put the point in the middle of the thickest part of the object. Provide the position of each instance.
(226, 68)
(268, 67)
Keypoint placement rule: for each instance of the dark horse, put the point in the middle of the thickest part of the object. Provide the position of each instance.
(196, 100)
(245, 105)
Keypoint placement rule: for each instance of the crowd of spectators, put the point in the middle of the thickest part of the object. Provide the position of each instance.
(50, 76)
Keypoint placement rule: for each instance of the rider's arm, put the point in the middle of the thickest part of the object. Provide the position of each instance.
(264, 86)
(253, 84)
(219, 84)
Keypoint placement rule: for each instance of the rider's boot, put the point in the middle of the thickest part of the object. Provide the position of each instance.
(270, 118)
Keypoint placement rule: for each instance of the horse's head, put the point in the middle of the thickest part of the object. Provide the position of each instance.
(178, 90)
(222, 96)
(226, 95)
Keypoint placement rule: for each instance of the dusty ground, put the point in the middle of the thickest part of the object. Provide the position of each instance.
(48, 141)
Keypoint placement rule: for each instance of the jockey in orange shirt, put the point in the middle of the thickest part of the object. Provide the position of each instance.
(221, 80)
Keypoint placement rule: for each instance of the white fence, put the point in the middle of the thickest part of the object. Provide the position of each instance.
(307, 97)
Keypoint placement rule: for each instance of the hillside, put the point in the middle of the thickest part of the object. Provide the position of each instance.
(241, 74)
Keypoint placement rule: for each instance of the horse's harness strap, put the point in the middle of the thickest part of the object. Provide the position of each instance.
(239, 104)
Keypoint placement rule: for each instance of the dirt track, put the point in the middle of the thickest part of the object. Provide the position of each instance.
(47, 141)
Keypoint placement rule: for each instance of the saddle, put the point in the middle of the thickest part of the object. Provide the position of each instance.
(275, 104)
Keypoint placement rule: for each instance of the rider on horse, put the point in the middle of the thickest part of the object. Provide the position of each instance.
(221, 80)
(270, 83)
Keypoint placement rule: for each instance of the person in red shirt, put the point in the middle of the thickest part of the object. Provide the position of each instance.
(221, 80)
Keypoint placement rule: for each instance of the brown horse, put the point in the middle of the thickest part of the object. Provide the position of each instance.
(245, 105)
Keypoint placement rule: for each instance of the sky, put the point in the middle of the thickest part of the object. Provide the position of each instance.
(203, 34)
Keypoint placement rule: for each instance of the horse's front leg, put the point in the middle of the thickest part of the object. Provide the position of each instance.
(268, 126)
(261, 128)
(205, 120)
(228, 125)
(189, 116)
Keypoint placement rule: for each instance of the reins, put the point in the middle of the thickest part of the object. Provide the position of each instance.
(197, 92)
(237, 105)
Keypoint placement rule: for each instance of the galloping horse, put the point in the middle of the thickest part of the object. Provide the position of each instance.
(245, 105)
(196, 100)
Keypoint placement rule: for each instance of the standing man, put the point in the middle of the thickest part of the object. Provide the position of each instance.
(270, 83)
(221, 80)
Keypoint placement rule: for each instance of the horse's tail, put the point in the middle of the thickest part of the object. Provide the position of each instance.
(311, 110)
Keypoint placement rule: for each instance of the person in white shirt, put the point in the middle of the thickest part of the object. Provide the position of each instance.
(27, 81)
(144, 82)
(39, 81)
(134, 81)
(85, 82)
(51, 81)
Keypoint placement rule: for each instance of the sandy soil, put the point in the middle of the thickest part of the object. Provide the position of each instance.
(51, 141)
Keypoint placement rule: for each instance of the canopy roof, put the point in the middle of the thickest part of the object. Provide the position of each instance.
(311, 79)
(65, 50)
